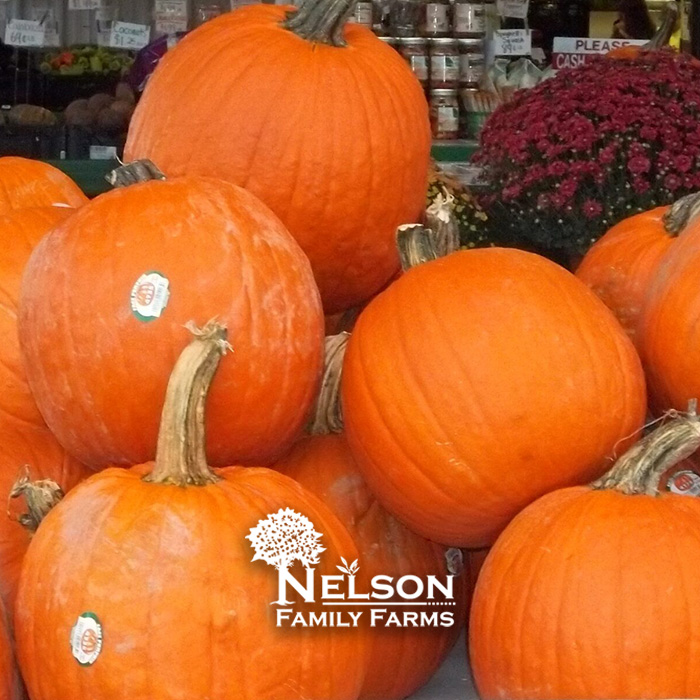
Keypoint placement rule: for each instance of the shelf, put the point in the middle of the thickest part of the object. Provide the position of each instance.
(453, 151)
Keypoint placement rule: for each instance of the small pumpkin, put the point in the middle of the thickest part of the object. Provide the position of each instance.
(621, 265)
(399, 660)
(591, 591)
(158, 556)
(336, 140)
(30, 183)
(100, 331)
(481, 380)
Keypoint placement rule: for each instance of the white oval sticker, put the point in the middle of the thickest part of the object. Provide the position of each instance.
(86, 639)
(149, 296)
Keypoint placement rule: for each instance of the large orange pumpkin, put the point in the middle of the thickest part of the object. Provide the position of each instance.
(22, 229)
(479, 381)
(592, 592)
(324, 122)
(10, 688)
(620, 266)
(30, 183)
(105, 300)
(668, 328)
(399, 660)
(141, 582)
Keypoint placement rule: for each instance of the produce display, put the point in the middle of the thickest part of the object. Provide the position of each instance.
(282, 418)
(348, 158)
(86, 60)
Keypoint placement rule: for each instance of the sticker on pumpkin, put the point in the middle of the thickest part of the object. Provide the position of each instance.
(685, 483)
(86, 639)
(149, 296)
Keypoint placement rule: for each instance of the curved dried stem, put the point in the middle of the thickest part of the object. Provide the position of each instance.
(40, 496)
(666, 28)
(681, 213)
(321, 21)
(133, 173)
(328, 414)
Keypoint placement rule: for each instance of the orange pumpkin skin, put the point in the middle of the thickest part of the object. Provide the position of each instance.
(22, 230)
(168, 572)
(30, 183)
(669, 325)
(336, 140)
(480, 381)
(34, 447)
(400, 661)
(9, 678)
(565, 609)
(225, 255)
(620, 266)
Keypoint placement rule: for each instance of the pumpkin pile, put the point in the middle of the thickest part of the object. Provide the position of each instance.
(196, 471)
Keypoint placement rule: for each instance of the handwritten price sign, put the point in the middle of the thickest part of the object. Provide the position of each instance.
(512, 42)
(24, 32)
(125, 35)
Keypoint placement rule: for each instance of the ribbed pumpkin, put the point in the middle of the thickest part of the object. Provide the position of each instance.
(478, 382)
(158, 556)
(30, 183)
(400, 660)
(10, 688)
(668, 328)
(620, 266)
(323, 122)
(104, 303)
(592, 592)
(22, 230)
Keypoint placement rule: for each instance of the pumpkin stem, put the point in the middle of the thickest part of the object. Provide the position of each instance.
(40, 496)
(328, 413)
(180, 456)
(321, 21)
(681, 213)
(666, 28)
(138, 171)
(640, 469)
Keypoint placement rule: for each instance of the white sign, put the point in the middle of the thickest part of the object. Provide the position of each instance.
(103, 152)
(171, 16)
(125, 35)
(512, 42)
(25, 32)
(513, 8)
(569, 52)
(85, 4)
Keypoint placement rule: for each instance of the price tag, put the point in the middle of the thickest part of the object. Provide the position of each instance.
(103, 152)
(125, 35)
(513, 8)
(512, 42)
(85, 4)
(25, 32)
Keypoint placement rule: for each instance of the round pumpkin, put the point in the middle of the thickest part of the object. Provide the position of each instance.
(30, 448)
(478, 382)
(591, 591)
(101, 328)
(30, 183)
(323, 122)
(668, 328)
(620, 266)
(22, 229)
(399, 660)
(137, 570)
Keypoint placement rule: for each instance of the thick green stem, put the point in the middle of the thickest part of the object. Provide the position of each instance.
(639, 470)
(180, 456)
(666, 28)
(321, 21)
(681, 213)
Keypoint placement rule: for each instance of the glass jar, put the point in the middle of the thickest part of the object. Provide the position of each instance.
(471, 62)
(437, 19)
(475, 110)
(469, 19)
(415, 51)
(444, 64)
(364, 14)
(444, 114)
(404, 18)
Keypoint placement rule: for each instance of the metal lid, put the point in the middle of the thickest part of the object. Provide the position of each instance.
(444, 92)
(444, 42)
(413, 41)
(388, 39)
